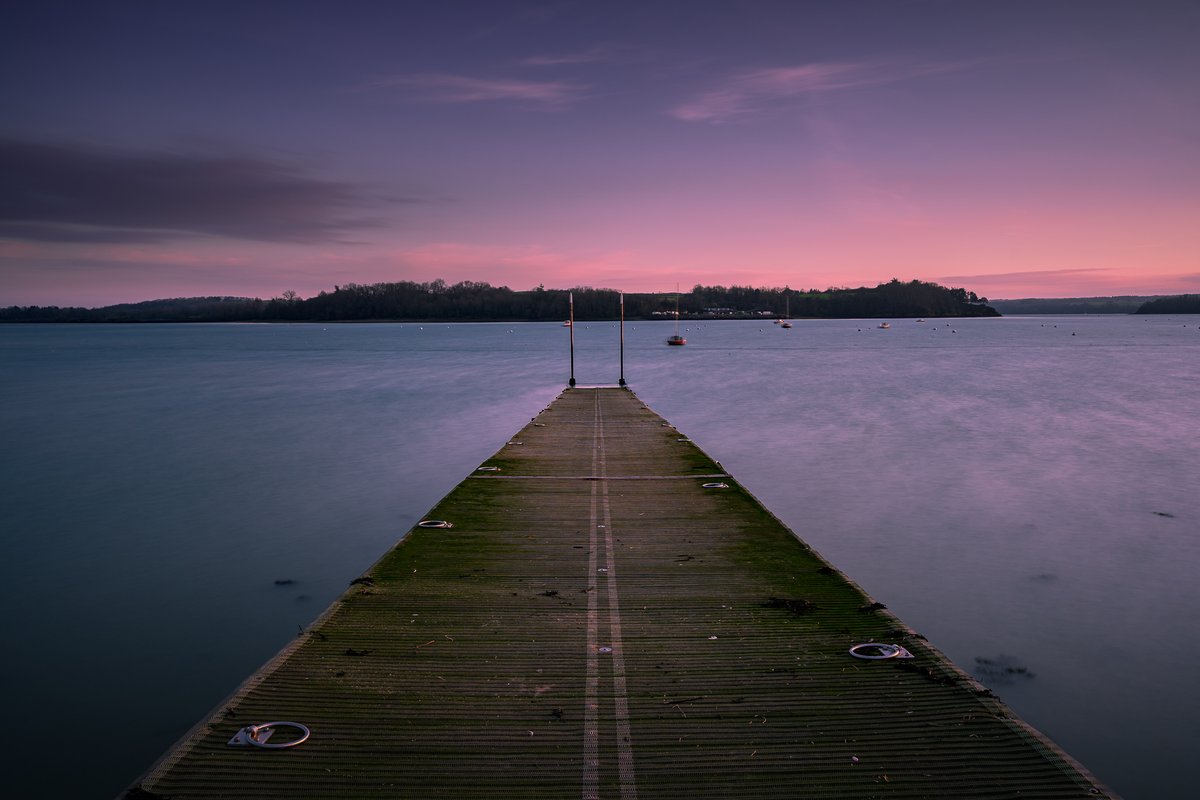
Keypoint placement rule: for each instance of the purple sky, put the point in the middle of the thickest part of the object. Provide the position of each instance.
(159, 149)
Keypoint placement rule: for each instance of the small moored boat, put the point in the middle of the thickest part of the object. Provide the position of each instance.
(676, 339)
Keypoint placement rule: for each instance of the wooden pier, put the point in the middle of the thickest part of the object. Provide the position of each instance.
(599, 624)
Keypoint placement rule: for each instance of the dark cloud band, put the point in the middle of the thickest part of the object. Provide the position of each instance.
(71, 193)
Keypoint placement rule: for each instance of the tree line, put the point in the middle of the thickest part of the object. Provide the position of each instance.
(471, 301)
(1181, 304)
(1119, 304)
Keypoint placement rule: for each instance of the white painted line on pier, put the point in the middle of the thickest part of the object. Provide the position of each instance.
(625, 770)
(591, 702)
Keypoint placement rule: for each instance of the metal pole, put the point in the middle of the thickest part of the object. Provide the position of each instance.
(571, 319)
(622, 381)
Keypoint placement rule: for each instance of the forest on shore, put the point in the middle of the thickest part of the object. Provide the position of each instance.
(1117, 304)
(1181, 304)
(471, 301)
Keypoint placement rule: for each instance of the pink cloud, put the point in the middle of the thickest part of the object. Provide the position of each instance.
(751, 92)
(445, 88)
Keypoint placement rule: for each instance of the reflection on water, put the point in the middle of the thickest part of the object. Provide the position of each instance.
(179, 499)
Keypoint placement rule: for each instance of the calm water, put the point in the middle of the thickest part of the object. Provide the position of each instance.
(1015, 492)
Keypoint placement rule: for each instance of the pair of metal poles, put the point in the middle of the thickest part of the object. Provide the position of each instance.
(571, 325)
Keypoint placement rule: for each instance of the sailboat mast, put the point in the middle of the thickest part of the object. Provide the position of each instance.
(677, 339)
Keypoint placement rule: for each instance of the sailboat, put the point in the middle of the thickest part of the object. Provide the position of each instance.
(787, 312)
(677, 340)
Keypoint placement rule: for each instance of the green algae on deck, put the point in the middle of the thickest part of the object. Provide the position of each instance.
(597, 623)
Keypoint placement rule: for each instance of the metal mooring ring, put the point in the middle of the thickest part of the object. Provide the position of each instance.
(714, 485)
(434, 523)
(250, 735)
(885, 651)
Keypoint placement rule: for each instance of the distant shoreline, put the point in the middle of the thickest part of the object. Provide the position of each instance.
(443, 321)
(438, 301)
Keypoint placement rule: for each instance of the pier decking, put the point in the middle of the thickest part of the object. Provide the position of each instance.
(597, 624)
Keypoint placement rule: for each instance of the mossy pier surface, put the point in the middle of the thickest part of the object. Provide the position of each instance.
(598, 624)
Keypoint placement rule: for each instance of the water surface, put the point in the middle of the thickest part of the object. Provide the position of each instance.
(1019, 490)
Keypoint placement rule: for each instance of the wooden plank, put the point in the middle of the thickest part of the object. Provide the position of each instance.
(598, 625)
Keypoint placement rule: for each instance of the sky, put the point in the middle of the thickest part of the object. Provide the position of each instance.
(153, 149)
